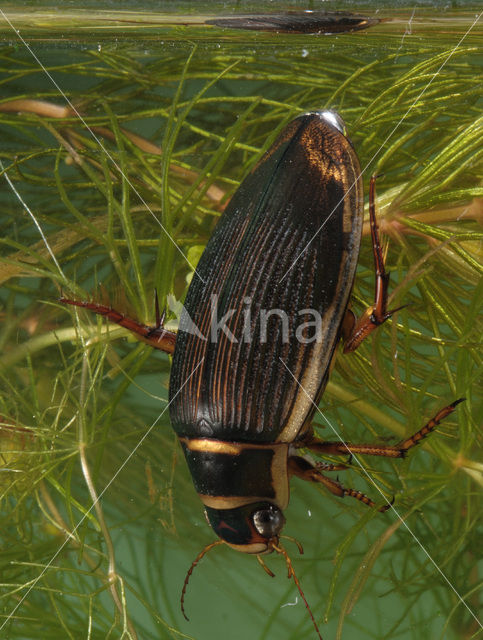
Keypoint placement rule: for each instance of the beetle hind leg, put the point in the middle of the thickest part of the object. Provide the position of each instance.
(355, 332)
(156, 336)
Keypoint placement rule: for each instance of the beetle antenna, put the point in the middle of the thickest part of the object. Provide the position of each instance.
(291, 574)
(264, 567)
(190, 571)
(295, 541)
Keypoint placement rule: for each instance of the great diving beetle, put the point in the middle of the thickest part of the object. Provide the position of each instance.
(243, 391)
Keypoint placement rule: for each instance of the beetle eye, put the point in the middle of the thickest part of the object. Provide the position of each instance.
(268, 522)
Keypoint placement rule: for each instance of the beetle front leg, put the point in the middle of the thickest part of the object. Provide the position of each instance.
(302, 468)
(355, 332)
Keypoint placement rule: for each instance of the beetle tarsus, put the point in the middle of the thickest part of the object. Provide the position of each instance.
(358, 495)
(416, 438)
(386, 507)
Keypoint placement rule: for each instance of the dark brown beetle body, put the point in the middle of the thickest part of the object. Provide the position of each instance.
(308, 21)
(263, 316)
(288, 240)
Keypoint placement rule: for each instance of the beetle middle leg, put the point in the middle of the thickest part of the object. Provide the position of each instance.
(354, 332)
(398, 451)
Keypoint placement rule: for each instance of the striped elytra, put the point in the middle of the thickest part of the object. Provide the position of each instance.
(288, 240)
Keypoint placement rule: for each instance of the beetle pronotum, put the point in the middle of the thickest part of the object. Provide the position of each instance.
(241, 400)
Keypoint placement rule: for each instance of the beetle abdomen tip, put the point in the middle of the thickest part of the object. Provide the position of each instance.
(331, 117)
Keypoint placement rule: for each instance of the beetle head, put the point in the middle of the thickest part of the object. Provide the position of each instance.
(252, 528)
